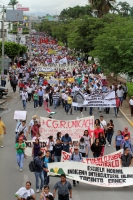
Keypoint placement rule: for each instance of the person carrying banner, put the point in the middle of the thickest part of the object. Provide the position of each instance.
(126, 158)
(66, 142)
(76, 156)
(46, 159)
(64, 189)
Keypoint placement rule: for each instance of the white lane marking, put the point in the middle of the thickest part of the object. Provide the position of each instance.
(75, 195)
(25, 179)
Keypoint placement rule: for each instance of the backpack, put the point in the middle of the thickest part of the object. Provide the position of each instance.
(79, 156)
(32, 166)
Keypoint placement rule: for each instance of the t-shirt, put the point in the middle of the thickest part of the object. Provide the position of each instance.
(66, 139)
(97, 131)
(46, 160)
(20, 151)
(35, 96)
(2, 125)
(82, 147)
(69, 100)
(24, 193)
(118, 140)
(50, 145)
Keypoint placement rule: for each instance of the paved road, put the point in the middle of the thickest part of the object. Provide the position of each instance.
(11, 179)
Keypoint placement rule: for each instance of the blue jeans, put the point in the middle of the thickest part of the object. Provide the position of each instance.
(37, 176)
(91, 110)
(20, 160)
(69, 107)
(109, 137)
(24, 103)
(35, 103)
(55, 103)
(40, 100)
(116, 109)
(46, 177)
(57, 158)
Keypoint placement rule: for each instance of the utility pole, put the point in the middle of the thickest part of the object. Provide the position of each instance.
(3, 38)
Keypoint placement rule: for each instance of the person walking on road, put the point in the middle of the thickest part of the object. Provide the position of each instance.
(46, 159)
(116, 109)
(25, 192)
(118, 140)
(14, 84)
(35, 98)
(24, 98)
(76, 156)
(131, 105)
(2, 132)
(40, 93)
(20, 147)
(96, 148)
(126, 158)
(64, 189)
(39, 171)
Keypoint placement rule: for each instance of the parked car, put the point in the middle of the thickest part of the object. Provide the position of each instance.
(3, 91)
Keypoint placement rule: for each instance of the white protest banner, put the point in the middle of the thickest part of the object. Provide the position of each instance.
(75, 128)
(29, 146)
(96, 99)
(18, 114)
(110, 160)
(92, 174)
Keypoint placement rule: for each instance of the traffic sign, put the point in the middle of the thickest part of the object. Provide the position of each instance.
(23, 9)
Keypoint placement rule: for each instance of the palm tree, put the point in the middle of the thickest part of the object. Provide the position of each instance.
(13, 3)
(101, 6)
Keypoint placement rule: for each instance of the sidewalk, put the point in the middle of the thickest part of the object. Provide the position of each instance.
(124, 109)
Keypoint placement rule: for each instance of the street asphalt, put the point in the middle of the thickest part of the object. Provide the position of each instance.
(11, 179)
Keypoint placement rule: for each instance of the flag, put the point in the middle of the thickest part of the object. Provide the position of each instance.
(50, 112)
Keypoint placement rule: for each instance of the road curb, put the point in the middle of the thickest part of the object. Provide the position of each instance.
(129, 121)
(2, 102)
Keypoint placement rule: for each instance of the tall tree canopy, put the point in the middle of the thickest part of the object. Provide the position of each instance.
(13, 3)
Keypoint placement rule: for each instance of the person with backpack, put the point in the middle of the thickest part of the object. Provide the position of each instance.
(46, 159)
(20, 147)
(76, 157)
(38, 171)
(126, 158)
(118, 140)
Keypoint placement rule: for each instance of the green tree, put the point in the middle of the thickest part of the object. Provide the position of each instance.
(101, 6)
(114, 47)
(13, 3)
(124, 8)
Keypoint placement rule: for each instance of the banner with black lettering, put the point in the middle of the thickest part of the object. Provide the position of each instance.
(92, 174)
(75, 128)
(110, 160)
(95, 99)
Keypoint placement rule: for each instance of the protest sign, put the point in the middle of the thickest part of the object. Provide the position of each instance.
(92, 174)
(110, 160)
(18, 114)
(29, 146)
(96, 99)
(75, 128)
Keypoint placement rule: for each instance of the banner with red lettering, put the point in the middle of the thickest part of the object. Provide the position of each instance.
(110, 160)
(75, 128)
(92, 174)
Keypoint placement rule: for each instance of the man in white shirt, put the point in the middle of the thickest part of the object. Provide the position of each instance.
(131, 105)
(29, 91)
(120, 94)
(24, 98)
(103, 123)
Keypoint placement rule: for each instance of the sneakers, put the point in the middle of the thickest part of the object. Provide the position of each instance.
(20, 170)
(37, 191)
(109, 145)
(1, 146)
